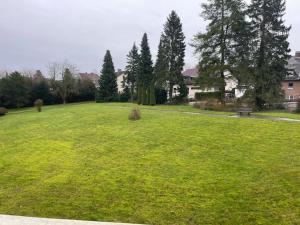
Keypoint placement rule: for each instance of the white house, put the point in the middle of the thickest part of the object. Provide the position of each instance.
(121, 76)
(190, 76)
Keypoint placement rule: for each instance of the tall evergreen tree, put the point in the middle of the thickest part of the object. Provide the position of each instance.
(146, 77)
(217, 46)
(108, 88)
(270, 51)
(174, 48)
(161, 68)
(132, 70)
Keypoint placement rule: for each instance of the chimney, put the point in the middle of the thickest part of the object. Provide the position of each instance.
(297, 55)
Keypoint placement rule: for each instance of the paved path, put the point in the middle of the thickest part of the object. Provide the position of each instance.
(19, 220)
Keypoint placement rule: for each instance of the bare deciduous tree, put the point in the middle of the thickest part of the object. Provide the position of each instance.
(56, 69)
(62, 76)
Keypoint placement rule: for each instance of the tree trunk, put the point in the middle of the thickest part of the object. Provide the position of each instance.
(260, 65)
(223, 46)
(171, 92)
(139, 94)
(145, 96)
(132, 93)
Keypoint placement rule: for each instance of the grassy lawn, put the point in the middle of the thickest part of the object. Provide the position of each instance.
(190, 108)
(88, 161)
(280, 114)
(179, 108)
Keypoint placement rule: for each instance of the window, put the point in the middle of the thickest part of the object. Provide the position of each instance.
(291, 97)
(291, 85)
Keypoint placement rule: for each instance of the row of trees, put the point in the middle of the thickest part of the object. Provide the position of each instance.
(19, 90)
(249, 41)
(145, 83)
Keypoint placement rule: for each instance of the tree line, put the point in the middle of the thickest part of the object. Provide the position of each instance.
(246, 41)
(19, 90)
(146, 83)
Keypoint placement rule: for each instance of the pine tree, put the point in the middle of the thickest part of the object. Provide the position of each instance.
(146, 72)
(239, 57)
(132, 70)
(161, 68)
(108, 88)
(270, 49)
(173, 46)
(217, 46)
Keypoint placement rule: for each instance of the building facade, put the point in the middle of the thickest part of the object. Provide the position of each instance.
(121, 77)
(190, 77)
(291, 84)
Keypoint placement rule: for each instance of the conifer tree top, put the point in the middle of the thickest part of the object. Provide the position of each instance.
(108, 66)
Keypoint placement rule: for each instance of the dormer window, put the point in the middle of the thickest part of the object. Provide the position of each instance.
(291, 85)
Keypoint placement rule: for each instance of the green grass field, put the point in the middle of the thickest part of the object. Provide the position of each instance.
(88, 161)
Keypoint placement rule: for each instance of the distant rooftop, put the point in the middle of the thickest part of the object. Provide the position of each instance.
(294, 63)
(191, 73)
(90, 76)
(120, 72)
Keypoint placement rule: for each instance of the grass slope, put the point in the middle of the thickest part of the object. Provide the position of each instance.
(90, 162)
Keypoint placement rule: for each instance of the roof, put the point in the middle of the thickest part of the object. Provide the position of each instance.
(120, 72)
(294, 63)
(292, 78)
(191, 73)
(90, 76)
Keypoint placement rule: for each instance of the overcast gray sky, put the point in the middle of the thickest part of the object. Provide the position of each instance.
(36, 32)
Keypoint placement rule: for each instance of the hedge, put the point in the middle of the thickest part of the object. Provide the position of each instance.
(208, 95)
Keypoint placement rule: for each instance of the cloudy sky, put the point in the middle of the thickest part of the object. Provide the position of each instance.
(36, 32)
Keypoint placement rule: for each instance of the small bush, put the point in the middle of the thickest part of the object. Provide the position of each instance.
(38, 104)
(3, 111)
(135, 114)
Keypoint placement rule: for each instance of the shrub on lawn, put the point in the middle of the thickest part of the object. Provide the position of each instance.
(135, 114)
(3, 111)
(38, 104)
